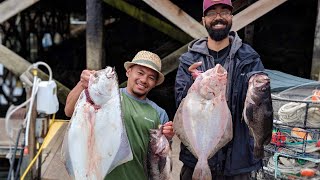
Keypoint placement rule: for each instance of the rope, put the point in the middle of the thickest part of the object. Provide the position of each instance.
(294, 113)
(286, 166)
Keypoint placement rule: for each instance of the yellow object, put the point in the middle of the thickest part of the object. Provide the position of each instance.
(35, 72)
(53, 128)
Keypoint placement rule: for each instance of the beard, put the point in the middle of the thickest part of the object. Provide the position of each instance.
(219, 34)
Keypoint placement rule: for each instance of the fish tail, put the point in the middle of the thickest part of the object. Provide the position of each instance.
(202, 171)
(258, 153)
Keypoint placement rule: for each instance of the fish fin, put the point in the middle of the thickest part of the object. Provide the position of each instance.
(258, 152)
(162, 163)
(249, 100)
(250, 132)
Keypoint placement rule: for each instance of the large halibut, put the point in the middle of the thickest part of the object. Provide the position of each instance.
(203, 120)
(96, 140)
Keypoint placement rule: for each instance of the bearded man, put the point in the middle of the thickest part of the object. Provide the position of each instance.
(234, 161)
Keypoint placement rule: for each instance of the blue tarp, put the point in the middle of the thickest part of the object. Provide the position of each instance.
(281, 81)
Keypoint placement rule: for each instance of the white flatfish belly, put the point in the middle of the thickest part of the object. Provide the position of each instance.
(203, 120)
(96, 140)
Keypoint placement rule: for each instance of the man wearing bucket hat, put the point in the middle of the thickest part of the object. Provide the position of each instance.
(144, 73)
(222, 46)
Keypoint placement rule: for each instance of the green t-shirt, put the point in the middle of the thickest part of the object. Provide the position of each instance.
(139, 117)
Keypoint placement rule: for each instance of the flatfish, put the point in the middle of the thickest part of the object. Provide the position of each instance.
(203, 120)
(96, 141)
(159, 156)
(258, 112)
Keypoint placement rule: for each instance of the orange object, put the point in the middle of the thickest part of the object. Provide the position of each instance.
(300, 133)
(307, 172)
(316, 95)
(26, 150)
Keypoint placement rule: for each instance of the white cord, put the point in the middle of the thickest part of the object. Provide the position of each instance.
(26, 123)
(35, 65)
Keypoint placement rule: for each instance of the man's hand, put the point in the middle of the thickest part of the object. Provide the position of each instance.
(194, 71)
(84, 78)
(168, 130)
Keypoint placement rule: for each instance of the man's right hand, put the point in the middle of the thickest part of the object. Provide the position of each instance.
(194, 71)
(84, 78)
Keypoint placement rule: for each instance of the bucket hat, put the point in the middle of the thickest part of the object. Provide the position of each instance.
(149, 60)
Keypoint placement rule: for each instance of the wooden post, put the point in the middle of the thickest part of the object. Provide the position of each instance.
(315, 67)
(31, 135)
(249, 29)
(94, 32)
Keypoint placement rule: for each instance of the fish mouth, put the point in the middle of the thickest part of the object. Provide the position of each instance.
(110, 72)
(220, 70)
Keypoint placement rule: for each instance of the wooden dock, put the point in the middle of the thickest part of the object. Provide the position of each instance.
(52, 163)
(52, 166)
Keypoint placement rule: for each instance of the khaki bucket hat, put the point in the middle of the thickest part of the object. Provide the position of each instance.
(147, 59)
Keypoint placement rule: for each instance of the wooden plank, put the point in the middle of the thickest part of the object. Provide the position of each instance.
(10, 8)
(18, 65)
(253, 12)
(94, 35)
(178, 17)
(150, 20)
(315, 67)
(5, 141)
(239, 4)
(52, 166)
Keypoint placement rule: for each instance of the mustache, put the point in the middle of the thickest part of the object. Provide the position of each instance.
(219, 21)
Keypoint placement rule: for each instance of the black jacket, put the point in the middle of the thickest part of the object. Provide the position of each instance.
(241, 63)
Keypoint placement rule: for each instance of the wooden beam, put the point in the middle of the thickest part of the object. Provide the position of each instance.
(150, 20)
(10, 8)
(94, 35)
(171, 62)
(18, 65)
(178, 17)
(315, 67)
(239, 4)
(253, 12)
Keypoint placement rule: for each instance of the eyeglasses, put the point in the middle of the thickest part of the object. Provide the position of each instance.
(223, 14)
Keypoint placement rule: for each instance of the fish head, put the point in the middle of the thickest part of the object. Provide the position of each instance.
(213, 82)
(102, 85)
(158, 142)
(259, 86)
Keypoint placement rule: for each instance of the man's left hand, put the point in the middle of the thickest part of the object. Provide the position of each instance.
(168, 130)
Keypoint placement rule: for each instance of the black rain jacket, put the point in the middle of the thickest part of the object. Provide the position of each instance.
(242, 62)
